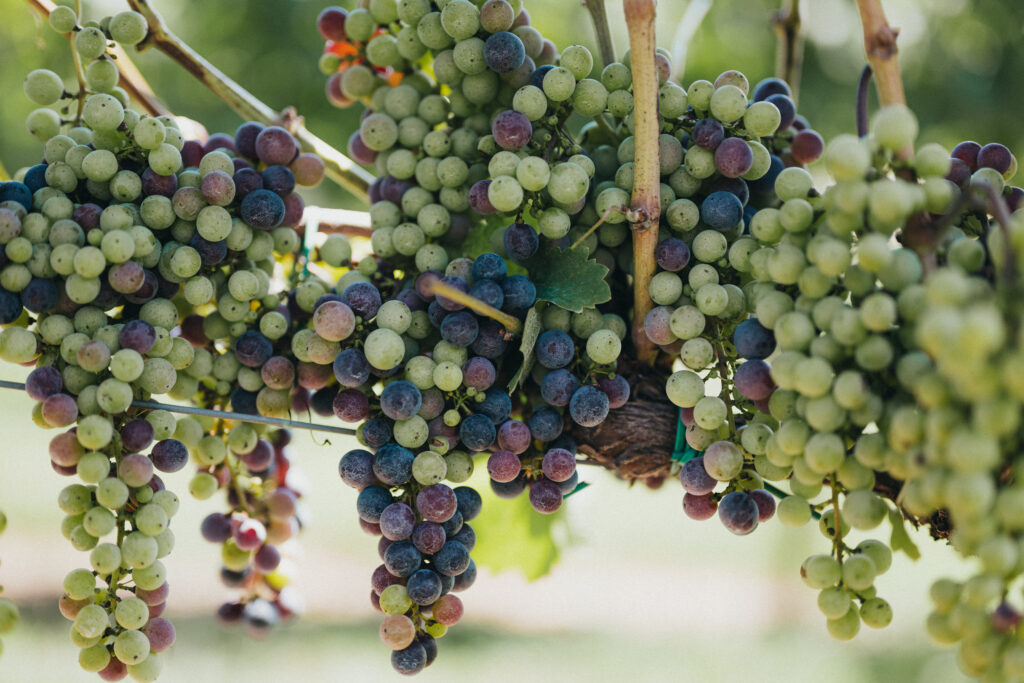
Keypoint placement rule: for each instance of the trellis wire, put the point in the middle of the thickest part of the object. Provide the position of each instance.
(220, 414)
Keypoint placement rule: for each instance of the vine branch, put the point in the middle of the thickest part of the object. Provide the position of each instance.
(599, 17)
(882, 53)
(789, 55)
(340, 168)
(646, 198)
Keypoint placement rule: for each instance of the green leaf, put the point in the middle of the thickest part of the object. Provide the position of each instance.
(567, 278)
(478, 241)
(531, 330)
(512, 535)
(900, 539)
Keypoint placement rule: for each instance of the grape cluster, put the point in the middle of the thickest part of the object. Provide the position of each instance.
(263, 491)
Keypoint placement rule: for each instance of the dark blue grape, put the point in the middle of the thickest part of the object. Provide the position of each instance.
(558, 386)
(363, 298)
(468, 577)
(453, 525)
(39, 296)
(10, 307)
(739, 512)
(34, 180)
(695, 479)
(469, 502)
(570, 484)
(555, 349)
(393, 464)
(504, 52)
(511, 489)
(489, 266)
(489, 292)
(545, 424)
(537, 77)
(13, 191)
(246, 180)
(459, 284)
(477, 432)
(140, 336)
(786, 108)
(428, 537)
(497, 405)
(770, 86)
(430, 645)
(356, 469)
(325, 298)
(436, 313)
(520, 294)
(738, 186)
(753, 379)
(279, 179)
(589, 406)
(460, 329)
(466, 536)
(721, 211)
(402, 559)
(211, 253)
(252, 349)
(753, 340)
(764, 187)
(520, 241)
(452, 559)
(375, 432)
(564, 442)
(169, 455)
(490, 342)
(708, 133)
(155, 184)
(351, 368)
(401, 400)
(409, 661)
(424, 586)
(262, 209)
(371, 502)
(245, 138)
(244, 402)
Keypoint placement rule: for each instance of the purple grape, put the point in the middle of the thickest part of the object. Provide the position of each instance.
(436, 503)
(512, 130)
(479, 373)
(60, 410)
(504, 52)
(695, 479)
(765, 504)
(155, 184)
(351, 405)
(43, 382)
(497, 405)
(400, 400)
(137, 335)
(375, 432)
(191, 153)
(433, 404)
(351, 368)
(708, 133)
(219, 141)
(459, 284)
(733, 157)
(245, 138)
(786, 107)
(275, 145)
(127, 277)
(393, 464)
(428, 537)
(267, 559)
(672, 254)
(555, 349)
(504, 466)
(514, 436)
(88, 215)
(478, 199)
(246, 180)
(371, 502)
(545, 424)
(558, 386)
(617, 389)
(211, 253)
(252, 349)
(558, 464)
(218, 188)
(771, 86)
(477, 432)
(13, 191)
(169, 455)
(363, 298)
(739, 512)
(146, 292)
(136, 435)
(967, 152)
(243, 401)
(490, 343)
(331, 24)
(402, 559)
(397, 522)
(753, 380)
(545, 496)
(510, 490)
(589, 406)
(996, 156)
(699, 508)
(807, 146)
(520, 241)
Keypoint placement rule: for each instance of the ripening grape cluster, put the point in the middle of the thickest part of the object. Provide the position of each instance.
(849, 354)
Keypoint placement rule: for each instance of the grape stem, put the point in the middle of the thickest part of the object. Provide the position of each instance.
(599, 16)
(600, 221)
(837, 539)
(340, 169)
(511, 323)
(789, 55)
(862, 101)
(646, 200)
(130, 78)
(882, 53)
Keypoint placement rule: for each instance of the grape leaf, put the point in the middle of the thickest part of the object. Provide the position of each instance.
(511, 535)
(531, 330)
(900, 539)
(567, 278)
(478, 241)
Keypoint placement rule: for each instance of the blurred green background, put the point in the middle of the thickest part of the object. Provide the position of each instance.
(641, 592)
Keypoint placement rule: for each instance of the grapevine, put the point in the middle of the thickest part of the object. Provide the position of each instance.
(566, 260)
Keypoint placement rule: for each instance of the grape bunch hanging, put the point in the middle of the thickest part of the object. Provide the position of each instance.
(847, 355)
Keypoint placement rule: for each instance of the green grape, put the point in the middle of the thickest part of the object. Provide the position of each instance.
(820, 571)
(63, 19)
(894, 127)
(834, 602)
(687, 322)
(429, 468)
(604, 347)
(43, 87)
(846, 626)
(685, 388)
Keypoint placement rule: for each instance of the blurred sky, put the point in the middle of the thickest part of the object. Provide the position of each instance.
(642, 592)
